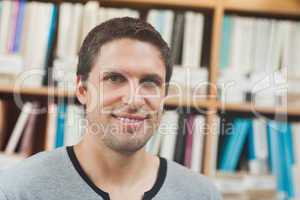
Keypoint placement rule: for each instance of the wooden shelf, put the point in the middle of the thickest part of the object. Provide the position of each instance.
(249, 108)
(44, 92)
(281, 7)
(170, 101)
(164, 3)
(274, 7)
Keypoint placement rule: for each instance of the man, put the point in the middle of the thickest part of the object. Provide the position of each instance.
(123, 67)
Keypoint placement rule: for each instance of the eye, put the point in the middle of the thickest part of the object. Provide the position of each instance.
(151, 82)
(114, 77)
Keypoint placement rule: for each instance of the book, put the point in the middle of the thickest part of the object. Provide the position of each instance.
(198, 142)
(177, 37)
(258, 148)
(181, 139)
(189, 141)
(233, 144)
(225, 42)
(168, 130)
(192, 40)
(18, 129)
(5, 25)
(215, 143)
(162, 21)
(27, 142)
(51, 127)
(60, 128)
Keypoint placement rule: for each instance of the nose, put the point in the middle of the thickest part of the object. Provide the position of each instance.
(133, 95)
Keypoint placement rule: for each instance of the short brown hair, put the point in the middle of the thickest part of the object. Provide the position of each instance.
(125, 27)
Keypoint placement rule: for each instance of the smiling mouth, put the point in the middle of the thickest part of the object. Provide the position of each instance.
(132, 121)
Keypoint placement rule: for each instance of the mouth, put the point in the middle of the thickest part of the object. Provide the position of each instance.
(130, 121)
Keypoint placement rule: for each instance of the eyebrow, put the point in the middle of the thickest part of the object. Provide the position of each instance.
(154, 76)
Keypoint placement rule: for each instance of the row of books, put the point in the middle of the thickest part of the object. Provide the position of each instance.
(262, 147)
(180, 137)
(183, 31)
(30, 29)
(258, 56)
(64, 126)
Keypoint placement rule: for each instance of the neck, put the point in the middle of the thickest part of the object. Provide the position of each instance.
(107, 167)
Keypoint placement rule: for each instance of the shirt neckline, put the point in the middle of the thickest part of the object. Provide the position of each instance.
(160, 179)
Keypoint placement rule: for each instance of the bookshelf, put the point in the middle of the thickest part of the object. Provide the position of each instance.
(217, 9)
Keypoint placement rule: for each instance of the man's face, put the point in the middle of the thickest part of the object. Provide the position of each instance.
(124, 93)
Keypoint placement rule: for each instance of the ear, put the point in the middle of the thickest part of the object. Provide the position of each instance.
(81, 91)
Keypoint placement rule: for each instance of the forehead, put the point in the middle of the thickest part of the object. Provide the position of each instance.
(130, 55)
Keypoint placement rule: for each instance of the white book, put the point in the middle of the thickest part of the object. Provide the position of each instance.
(74, 30)
(64, 24)
(168, 18)
(42, 29)
(168, 130)
(187, 50)
(197, 44)
(275, 46)
(73, 125)
(260, 164)
(214, 147)
(51, 127)
(236, 45)
(5, 25)
(262, 30)
(296, 141)
(37, 44)
(198, 141)
(18, 129)
(246, 45)
(90, 18)
(193, 39)
(291, 59)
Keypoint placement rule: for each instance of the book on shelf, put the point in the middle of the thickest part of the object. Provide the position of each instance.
(18, 129)
(180, 137)
(25, 31)
(253, 52)
(269, 150)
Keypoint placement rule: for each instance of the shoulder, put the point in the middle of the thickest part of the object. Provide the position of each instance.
(190, 183)
(33, 171)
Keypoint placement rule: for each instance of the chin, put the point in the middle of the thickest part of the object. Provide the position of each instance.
(125, 145)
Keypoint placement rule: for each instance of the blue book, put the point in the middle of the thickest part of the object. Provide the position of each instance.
(251, 146)
(281, 157)
(51, 33)
(61, 113)
(275, 154)
(225, 43)
(19, 27)
(233, 145)
(287, 159)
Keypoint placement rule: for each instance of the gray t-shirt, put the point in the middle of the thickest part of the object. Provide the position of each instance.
(57, 175)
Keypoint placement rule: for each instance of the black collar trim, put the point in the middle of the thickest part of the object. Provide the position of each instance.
(161, 176)
(83, 175)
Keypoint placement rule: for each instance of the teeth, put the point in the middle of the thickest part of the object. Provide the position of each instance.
(127, 120)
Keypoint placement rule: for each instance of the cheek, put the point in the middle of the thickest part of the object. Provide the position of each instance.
(155, 103)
